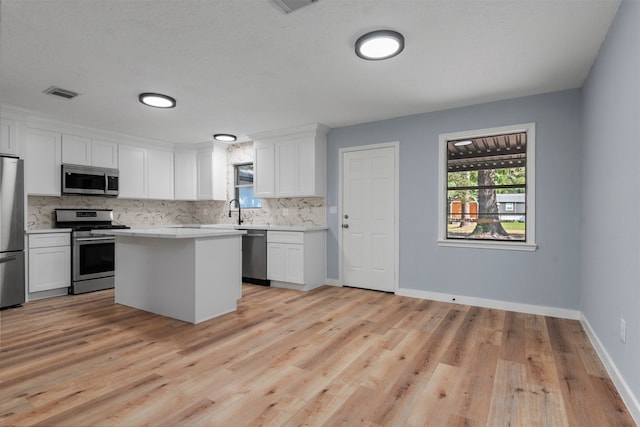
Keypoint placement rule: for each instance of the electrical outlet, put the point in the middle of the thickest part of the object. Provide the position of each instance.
(205, 211)
(285, 211)
(623, 330)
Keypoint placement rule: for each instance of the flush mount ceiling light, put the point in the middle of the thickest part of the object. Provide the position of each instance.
(381, 44)
(224, 137)
(157, 100)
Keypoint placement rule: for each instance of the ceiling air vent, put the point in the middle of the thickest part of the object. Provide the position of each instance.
(63, 93)
(288, 6)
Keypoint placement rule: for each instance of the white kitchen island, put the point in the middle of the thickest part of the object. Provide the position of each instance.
(189, 274)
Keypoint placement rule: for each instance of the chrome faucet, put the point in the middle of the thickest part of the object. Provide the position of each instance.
(240, 221)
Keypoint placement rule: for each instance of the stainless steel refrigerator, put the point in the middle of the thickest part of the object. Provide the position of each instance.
(12, 290)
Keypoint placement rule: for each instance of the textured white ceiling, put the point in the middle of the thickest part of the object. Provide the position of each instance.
(242, 66)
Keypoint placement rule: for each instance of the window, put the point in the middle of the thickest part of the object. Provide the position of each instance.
(487, 188)
(244, 186)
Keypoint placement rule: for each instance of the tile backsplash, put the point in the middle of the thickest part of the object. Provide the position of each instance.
(308, 211)
(301, 211)
(129, 212)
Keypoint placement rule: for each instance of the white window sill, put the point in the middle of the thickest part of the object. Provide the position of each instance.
(510, 245)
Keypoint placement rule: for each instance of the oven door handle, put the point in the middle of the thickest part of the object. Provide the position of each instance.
(93, 239)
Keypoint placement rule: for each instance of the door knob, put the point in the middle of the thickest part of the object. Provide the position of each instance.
(345, 225)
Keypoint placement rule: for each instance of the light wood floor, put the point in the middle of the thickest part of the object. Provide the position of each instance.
(333, 356)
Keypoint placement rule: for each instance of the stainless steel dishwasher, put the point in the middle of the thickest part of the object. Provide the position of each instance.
(254, 257)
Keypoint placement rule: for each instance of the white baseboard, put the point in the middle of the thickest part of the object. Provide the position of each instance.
(491, 303)
(621, 385)
(33, 296)
(294, 286)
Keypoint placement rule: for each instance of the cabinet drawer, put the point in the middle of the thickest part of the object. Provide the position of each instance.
(48, 240)
(285, 237)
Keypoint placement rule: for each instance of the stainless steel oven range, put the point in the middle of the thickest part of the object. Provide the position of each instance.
(92, 257)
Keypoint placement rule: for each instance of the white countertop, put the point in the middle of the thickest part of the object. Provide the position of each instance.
(170, 232)
(48, 230)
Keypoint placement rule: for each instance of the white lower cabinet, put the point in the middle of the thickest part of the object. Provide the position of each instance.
(49, 261)
(296, 259)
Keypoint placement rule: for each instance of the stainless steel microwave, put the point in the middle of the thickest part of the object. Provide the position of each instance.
(89, 180)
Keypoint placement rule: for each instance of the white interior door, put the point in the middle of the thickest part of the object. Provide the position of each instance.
(368, 218)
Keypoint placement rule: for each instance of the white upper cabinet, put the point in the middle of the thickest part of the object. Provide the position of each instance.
(132, 163)
(160, 174)
(82, 150)
(264, 169)
(211, 167)
(146, 170)
(145, 173)
(290, 162)
(76, 150)
(8, 137)
(104, 154)
(43, 161)
(286, 165)
(185, 176)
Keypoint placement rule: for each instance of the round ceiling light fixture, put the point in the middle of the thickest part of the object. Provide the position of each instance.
(225, 137)
(378, 45)
(157, 100)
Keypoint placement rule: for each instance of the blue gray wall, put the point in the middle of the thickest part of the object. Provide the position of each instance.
(611, 198)
(547, 277)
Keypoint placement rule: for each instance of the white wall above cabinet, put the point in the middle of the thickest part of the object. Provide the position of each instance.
(81, 150)
(290, 162)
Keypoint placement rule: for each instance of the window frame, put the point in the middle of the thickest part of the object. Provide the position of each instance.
(236, 186)
(530, 243)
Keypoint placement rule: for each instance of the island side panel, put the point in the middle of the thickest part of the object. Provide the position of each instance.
(156, 275)
(218, 276)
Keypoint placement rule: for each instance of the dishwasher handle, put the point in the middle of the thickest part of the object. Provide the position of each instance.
(253, 235)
